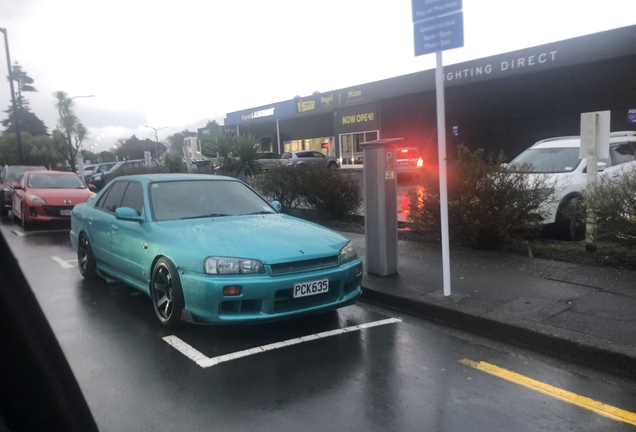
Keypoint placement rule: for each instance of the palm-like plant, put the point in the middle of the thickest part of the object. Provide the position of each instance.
(246, 151)
(75, 133)
(221, 146)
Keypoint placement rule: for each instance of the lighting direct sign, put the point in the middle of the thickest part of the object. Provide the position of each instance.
(438, 25)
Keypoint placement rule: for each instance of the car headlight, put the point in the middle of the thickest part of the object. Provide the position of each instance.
(35, 198)
(347, 253)
(225, 266)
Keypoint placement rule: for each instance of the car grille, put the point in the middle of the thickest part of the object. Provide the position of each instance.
(299, 266)
(54, 211)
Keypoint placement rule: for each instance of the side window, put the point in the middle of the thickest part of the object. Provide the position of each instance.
(623, 153)
(134, 197)
(115, 194)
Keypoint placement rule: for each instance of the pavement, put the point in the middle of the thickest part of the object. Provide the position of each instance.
(582, 313)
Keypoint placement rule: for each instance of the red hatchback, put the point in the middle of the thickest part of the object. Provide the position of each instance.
(43, 196)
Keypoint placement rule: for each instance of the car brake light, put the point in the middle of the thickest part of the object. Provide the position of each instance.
(420, 162)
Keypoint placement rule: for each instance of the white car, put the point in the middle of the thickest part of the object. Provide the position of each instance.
(557, 159)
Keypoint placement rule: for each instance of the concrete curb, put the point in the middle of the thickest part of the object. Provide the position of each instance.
(583, 349)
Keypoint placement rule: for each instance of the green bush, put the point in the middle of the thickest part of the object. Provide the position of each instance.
(138, 170)
(487, 204)
(280, 184)
(173, 163)
(614, 202)
(331, 193)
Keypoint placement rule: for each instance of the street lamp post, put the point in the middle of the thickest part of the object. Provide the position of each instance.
(18, 137)
(157, 138)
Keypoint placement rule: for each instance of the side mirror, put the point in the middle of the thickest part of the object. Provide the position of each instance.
(276, 205)
(600, 166)
(128, 214)
(91, 187)
(18, 186)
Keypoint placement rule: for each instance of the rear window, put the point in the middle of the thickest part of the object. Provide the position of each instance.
(286, 156)
(408, 153)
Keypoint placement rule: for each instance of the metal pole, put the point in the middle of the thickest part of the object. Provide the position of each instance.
(443, 189)
(18, 136)
(156, 139)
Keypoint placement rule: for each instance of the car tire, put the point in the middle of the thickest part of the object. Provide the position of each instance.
(25, 224)
(568, 224)
(166, 293)
(331, 166)
(85, 258)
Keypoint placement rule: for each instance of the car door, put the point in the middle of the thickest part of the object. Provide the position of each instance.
(318, 159)
(130, 238)
(102, 224)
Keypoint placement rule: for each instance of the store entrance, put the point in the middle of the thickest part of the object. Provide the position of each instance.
(350, 149)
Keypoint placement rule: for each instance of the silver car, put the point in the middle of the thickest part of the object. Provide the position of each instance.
(269, 160)
(309, 158)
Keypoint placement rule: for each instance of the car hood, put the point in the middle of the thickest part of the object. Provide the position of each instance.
(59, 196)
(273, 238)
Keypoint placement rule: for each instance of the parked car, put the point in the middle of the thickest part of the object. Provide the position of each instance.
(99, 179)
(43, 196)
(97, 169)
(269, 160)
(214, 251)
(409, 161)
(9, 176)
(88, 170)
(557, 159)
(308, 158)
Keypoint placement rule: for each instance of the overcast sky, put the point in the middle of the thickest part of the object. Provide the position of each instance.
(178, 64)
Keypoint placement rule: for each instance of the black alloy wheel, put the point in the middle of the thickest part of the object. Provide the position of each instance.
(85, 259)
(166, 294)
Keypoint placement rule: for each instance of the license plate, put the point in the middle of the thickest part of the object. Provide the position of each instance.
(304, 289)
(65, 212)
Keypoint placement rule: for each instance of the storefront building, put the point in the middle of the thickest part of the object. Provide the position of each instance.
(500, 103)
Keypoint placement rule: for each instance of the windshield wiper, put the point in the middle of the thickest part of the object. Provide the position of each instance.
(257, 213)
(205, 216)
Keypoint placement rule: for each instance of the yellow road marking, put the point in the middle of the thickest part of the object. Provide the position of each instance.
(564, 395)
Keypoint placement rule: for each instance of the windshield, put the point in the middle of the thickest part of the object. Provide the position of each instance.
(52, 181)
(547, 160)
(192, 199)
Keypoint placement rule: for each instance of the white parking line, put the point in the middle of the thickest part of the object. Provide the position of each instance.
(64, 263)
(205, 362)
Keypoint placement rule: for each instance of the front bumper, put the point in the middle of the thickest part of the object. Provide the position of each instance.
(35, 212)
(266, 297)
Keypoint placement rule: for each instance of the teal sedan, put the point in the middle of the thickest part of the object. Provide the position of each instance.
(209, 249)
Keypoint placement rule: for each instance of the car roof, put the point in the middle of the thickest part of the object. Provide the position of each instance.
(159, 177)
(575, 141)
(51, 172)
(39, 167)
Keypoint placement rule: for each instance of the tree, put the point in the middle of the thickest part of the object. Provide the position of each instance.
(29, 122)
(176, 140)
(134, 148)
(69, 127)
